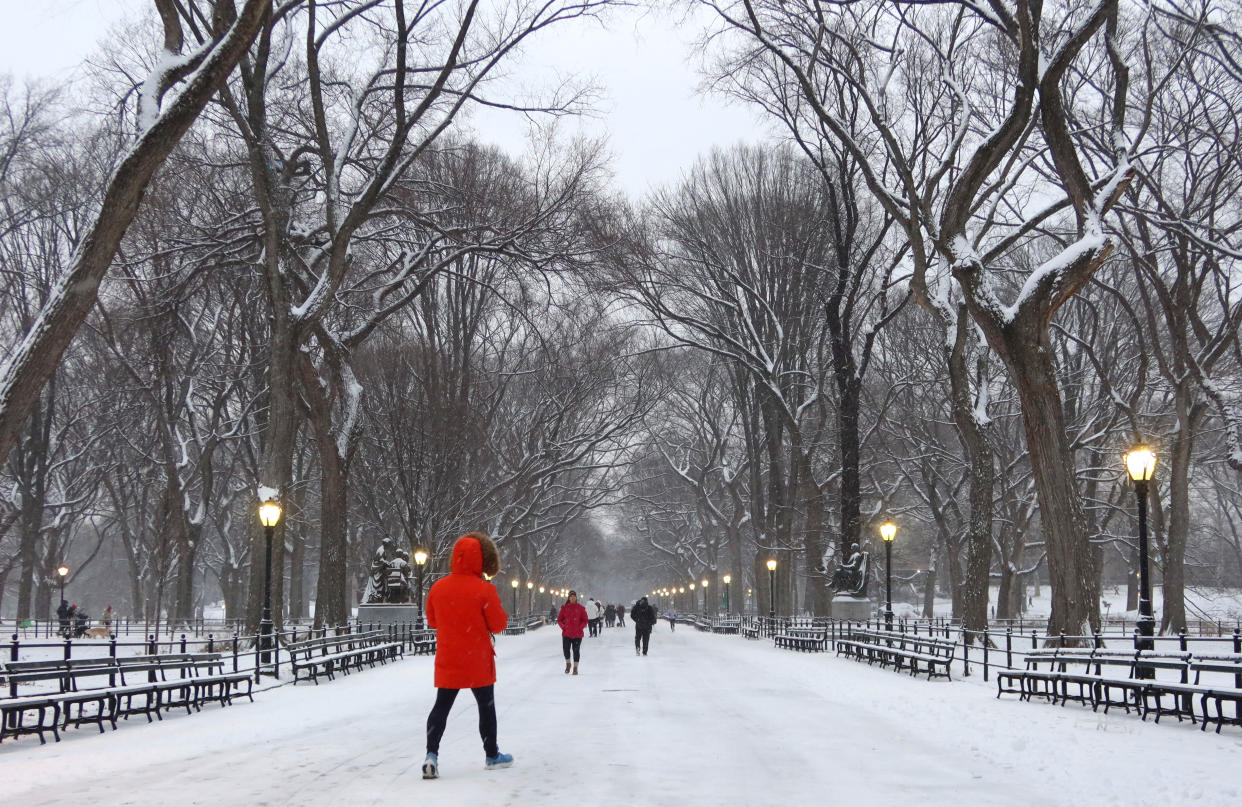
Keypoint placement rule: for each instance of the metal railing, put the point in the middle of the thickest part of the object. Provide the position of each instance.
(246, 650)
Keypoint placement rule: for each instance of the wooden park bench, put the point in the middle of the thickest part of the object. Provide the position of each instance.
(423, 641)
(1081, 675)
(808, 639)
(726, 625)
(1224, 686)
(750, 629)
(918, 654)
(328, 654)
(104, 688)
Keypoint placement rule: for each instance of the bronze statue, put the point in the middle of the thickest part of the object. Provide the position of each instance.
(850, 578)
(389, 581)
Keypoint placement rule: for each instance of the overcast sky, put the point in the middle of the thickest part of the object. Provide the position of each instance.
(655, 123)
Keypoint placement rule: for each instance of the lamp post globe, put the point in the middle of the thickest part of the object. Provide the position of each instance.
(269, 517)
(888, 531)
(1141, 466)
(63, 572)
(420, 560)
(772, 587)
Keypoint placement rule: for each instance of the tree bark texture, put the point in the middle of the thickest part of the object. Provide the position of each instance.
(1072, 566)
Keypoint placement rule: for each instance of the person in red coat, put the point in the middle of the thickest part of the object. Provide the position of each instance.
(573, 620)
(465, 611)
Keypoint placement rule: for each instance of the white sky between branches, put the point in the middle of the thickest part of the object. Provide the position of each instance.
(655, 123)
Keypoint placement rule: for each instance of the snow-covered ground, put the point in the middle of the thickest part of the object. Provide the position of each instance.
(704, 720)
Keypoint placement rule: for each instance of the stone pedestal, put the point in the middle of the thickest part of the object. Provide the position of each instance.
(384, 613)
(852, 609)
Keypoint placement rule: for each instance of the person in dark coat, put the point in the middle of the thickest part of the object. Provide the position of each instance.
(62, 613)
(620, 616)
(610, 615)
(573, 620)
(465, 611)
(643, 615)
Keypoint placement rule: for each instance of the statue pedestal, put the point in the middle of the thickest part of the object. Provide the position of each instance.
(387, 613)
(852, 609)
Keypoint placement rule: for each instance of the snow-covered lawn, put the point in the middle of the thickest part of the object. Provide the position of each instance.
(704, 720)
(1220, 604)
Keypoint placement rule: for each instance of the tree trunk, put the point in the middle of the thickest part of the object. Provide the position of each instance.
(929, 585)
(276, 468)
(331, 603)
(1173, 616)
(818, 598)
(297, 574)
(971, 601)
(1072, 565)
(851, 478)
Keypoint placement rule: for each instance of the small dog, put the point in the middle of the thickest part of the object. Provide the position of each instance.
(98, 633)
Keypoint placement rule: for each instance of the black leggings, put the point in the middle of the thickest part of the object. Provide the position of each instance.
(438, 718)
(576, 644)
(642, 637)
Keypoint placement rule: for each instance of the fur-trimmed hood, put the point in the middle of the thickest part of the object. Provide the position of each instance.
(475, 554)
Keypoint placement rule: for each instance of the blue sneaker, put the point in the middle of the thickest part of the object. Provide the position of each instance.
(497, 762)
(431, 766)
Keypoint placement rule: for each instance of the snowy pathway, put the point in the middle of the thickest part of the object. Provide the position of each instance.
(703, 720)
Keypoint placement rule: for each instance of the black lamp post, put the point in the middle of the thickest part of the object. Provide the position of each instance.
(269, 517)
(420, 560)
(728, 578)
(515, 588)
(888, 531)
(704, 596)
(63, 571)
(772, 586)
(530, 597)
(1141, 465)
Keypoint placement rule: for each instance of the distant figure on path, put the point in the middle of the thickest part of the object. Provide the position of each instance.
(573, 621)
(643, 615)
(595, 615)
(620, 616)
(672, 618)
(610, 615)
(465, 610)
(62, 613)
(106, 619)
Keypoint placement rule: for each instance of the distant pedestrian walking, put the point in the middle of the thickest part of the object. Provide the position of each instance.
(62, 613)
(672, 619)
(610, 615)
(106, 619)
(643, 615)
(573, 621)
(465, 611)
(595, 616)
(621, 616)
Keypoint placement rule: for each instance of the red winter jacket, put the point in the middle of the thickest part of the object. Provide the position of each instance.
(465, 610)
(572, 619)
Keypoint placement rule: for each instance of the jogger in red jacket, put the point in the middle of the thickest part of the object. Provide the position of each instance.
(573, 621)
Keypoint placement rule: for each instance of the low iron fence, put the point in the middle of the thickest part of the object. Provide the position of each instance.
(246, 650)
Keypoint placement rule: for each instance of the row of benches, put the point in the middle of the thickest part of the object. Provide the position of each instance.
(105, 689)
(328, 655)
(903, 651)
(1065, 674)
